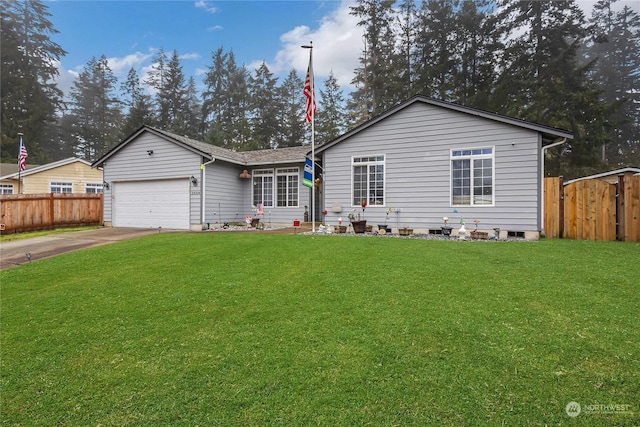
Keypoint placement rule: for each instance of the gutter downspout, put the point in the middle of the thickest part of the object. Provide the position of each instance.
(543, 152)
(203, 180)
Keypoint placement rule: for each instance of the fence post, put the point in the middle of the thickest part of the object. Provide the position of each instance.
(620, 231)
(561, 206)
(51, 210)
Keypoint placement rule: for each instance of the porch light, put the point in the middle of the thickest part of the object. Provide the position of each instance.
(194, 181)
(105, 185)
(245, 174)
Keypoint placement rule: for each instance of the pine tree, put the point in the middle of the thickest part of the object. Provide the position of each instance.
(330, 119)
(291, 115)
(94, 121)
(156, 80)
(264, 108)
(616, 47)
(29, 99)
(136, 102)
(173, 96)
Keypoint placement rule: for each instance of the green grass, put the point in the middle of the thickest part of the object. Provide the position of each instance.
(29, 234)
(240, 329)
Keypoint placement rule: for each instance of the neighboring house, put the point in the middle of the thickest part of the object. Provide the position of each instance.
(156, 178)
(611, 177)
(428, 159)
(71, 175)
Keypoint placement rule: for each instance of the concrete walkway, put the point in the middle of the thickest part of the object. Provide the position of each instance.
(19, 252)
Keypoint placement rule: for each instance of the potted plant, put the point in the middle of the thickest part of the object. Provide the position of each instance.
(446, 229)
(340, 228)
(359, 225)
(405, 231)
(386, 218)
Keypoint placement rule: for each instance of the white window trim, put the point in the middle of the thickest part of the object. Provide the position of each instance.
(4, 187)
(62, 185)
(95, 185)
(382, 162)
(294, 170)
(264, 172)
(491, 156)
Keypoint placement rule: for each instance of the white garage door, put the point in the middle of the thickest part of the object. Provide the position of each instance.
(152, 204)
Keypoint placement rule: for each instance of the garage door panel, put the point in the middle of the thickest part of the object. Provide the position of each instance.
(152, 204)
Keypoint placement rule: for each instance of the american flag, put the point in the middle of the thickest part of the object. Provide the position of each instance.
(22, 156)
(309, 93)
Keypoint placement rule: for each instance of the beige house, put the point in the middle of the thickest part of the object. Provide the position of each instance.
(70, 175)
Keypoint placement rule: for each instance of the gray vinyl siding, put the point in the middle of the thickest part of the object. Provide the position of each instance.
(167, 161)
(229, 198)
(417, 142)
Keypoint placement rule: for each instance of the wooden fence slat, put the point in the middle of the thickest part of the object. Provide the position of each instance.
(631, 208)
(21, 212)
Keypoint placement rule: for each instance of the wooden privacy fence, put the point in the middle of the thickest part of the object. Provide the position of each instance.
(593, 209)
(22, 212)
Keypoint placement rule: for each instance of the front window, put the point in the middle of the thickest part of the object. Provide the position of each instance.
(93, 188)
(368, 180)
(61, 187)
(263, 188)
(472, 177)
(6, 188)
(287, 186)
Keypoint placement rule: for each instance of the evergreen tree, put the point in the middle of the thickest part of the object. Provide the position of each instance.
(192, 114)
(407, 26)
(291, 116)
(29, 99)
(173, 96)
(215, 97)
(94, 122)
(156, 80)
(543, 82)
(264, 109)
(137, 103)
(239, 132)
(377, 78)
(616, 45)
(330, 119)
(436, 47)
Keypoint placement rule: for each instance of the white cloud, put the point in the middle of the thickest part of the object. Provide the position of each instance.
(189, 56)
(215, 28)
(207, 6)
(337, 44)
(120, 66)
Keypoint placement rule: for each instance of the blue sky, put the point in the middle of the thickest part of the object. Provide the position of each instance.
(130, 32)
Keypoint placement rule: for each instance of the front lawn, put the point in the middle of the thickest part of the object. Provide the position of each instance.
(247, 329)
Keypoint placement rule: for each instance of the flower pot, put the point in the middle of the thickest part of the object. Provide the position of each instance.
(405, 231)
(384, 227)
(479, 235)
(446, 231)
(359, 226)
(254, 222)
(340, 229)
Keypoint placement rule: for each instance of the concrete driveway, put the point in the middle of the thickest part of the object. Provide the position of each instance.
(19, 252)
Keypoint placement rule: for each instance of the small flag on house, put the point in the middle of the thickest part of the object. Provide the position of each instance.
(307, 178)
(309, 92)
(22, 156)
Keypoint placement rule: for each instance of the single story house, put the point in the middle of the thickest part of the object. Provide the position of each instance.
(426, 159)
(413, 165)
(156, 178)
(71, 175)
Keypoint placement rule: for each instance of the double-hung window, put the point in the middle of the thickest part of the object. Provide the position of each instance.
(263, 187)
(368, 180)
(472, 181)
(287, 187)
(6, 188)
(61, 187)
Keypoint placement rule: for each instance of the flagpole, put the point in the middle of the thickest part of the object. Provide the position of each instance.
(19, 167)
(313, 144)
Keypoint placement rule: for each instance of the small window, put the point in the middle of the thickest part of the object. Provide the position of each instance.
(93, 188)
(368, 180)
(472, 182)
(61, 187)
(6, 188)
(263, 187)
